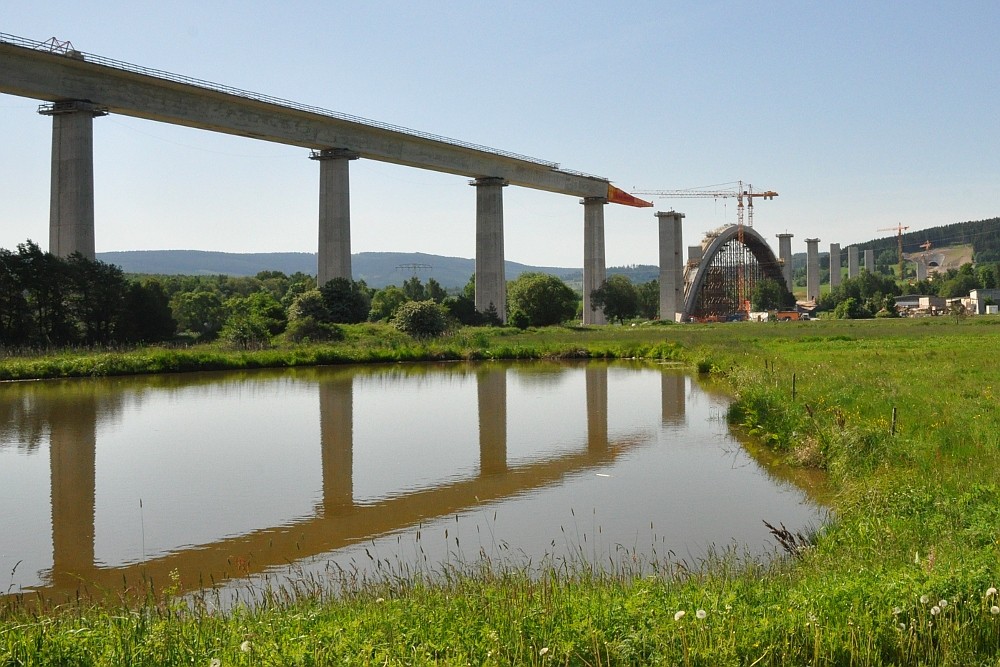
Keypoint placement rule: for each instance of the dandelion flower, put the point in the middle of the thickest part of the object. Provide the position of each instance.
(543, 650)
(701, 613)
(990, 592)
(935, 610)
(214, 662)
(995, 610)
(896, 611)
(245, 646)
(942, 603)
(679, 615)
(924, 599)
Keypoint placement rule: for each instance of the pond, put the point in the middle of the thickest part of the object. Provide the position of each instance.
(222, 475)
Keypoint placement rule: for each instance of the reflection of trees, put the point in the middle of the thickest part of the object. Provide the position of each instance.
(29, 410)
(20, 423)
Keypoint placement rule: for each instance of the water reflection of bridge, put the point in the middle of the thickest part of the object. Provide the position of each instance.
(339, 520)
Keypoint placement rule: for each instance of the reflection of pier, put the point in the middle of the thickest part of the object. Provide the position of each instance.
(339, 521)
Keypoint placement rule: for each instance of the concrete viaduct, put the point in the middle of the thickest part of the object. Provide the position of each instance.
(78, 87)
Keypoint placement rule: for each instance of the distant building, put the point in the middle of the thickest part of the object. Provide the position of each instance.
(932, 305)
(979, 297)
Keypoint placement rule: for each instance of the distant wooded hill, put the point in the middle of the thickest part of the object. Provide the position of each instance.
(982, 235)
(377, 269)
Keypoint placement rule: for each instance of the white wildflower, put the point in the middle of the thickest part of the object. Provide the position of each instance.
(543, 650)
(990, 592)
(995, 610)
(679, 615)
(245, 646)
(924, 599)
(935, 610)
(942, 603)
(701, 613)
(214, 662)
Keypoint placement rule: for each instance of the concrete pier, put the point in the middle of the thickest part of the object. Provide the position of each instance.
(671, 264)
(870, 260)
(491, 284)
(594, 267)
(812, 269)
(71, 203)
(921, 269)
(785, 257)
(834, 264)
(852, 261)
(334, 254)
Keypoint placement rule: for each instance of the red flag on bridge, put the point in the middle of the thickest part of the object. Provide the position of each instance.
(619, 196)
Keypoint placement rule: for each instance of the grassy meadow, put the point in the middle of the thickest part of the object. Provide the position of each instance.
(902, 416)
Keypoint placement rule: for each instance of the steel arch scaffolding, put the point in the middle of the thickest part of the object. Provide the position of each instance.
(716, 286)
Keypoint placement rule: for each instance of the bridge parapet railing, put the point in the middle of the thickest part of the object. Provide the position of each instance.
(55, 46)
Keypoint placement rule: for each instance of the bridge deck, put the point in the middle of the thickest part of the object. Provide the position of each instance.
(29, 71)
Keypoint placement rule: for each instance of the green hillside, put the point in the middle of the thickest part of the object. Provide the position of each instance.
(378, 269)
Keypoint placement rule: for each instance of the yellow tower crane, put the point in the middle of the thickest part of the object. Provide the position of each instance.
(899, 235)
(744, 207)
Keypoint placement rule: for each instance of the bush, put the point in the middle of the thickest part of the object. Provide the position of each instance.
(309, 329)
(421, 319)
(346, 301)
(246, 331)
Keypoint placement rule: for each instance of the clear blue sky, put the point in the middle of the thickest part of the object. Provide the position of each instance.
(861, 115)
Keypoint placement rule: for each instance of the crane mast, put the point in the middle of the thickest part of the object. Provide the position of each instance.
(899, 237)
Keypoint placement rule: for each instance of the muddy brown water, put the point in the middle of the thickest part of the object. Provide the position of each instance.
(110, 482)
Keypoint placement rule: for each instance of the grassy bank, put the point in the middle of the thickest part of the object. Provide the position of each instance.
(903, 574)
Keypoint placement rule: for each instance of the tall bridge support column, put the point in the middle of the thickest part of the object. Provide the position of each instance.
(671, 264)
(71, 202)
(491, 283)
(334, 253)
(852, 261)
(834, 265)
(785, 256)
(812, 269)
(594, 268)
(870, 261)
